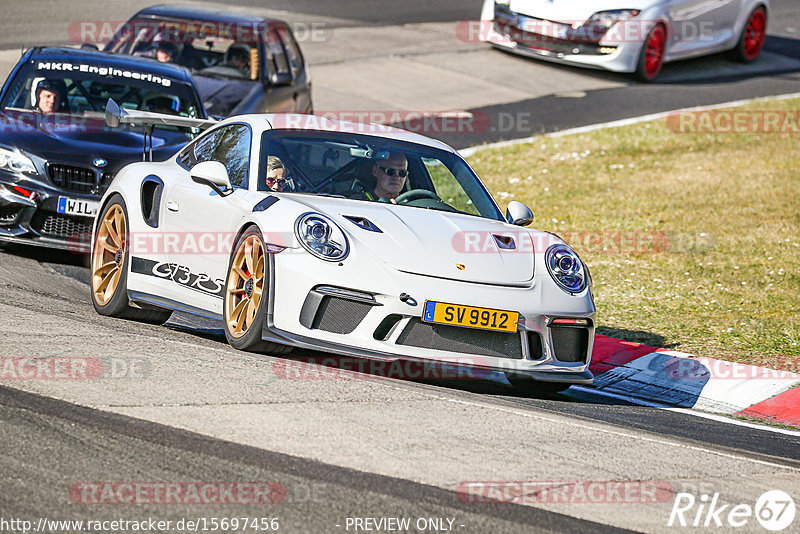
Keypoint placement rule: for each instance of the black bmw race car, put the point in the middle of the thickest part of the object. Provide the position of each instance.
(57, 156)
(240, 63)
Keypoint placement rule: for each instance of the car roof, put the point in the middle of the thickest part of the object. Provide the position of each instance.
(315, 123)
(110, 60)
(198, 13)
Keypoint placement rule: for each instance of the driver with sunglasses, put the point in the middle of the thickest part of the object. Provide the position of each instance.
(390, 177)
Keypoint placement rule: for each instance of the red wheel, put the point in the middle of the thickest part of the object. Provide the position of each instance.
(652, 55)
(752, 39)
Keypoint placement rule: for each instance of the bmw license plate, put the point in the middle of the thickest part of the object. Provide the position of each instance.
(470, 316)
(73, 206)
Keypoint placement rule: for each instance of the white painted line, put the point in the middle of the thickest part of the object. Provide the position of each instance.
(469, 151)
(688, 411)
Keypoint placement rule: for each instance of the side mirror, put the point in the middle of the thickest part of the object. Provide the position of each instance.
(89, 46)
(280, 78)
(519, 214)
(214, 175)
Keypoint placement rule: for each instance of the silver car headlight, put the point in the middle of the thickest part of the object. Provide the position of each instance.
(321, 237)
(603, 20)
(15, 161)
(566, 268)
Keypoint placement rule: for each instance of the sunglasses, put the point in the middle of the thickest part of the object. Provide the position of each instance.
(402, 173)
(278, 181)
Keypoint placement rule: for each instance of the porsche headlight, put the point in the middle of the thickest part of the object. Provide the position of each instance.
(15, 161)
(321, 237)
(566, 268)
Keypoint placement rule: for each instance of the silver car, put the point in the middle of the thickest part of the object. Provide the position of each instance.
(638, 39)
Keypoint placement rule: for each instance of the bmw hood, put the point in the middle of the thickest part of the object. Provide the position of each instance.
(436, 243)
(571, 11)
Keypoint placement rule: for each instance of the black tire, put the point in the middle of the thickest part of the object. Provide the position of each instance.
(118, 305)
(647, 68)
(747, 50)
(529, 385)
(250, 340)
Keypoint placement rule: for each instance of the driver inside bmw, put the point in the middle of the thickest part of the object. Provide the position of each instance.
(389, 176)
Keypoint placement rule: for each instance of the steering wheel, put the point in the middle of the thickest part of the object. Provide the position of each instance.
(406, 197)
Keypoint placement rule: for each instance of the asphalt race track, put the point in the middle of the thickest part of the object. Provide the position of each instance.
(177, 405)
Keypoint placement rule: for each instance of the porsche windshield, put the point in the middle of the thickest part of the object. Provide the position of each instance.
(372, 169)
(83, 90)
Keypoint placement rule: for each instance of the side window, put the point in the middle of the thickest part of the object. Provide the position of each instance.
(276, 53)
(230, 145)
(233, 150)
(293, 54)
(186, 157)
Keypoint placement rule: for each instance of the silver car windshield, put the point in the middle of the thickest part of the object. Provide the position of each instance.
(372, 169)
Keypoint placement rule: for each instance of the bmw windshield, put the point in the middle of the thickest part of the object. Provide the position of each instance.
(82, 90)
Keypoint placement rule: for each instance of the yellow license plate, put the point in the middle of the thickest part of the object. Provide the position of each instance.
(470, 316)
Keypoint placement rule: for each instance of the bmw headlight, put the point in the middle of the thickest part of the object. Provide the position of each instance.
(321, 237)
(15, 161)
(566, 268)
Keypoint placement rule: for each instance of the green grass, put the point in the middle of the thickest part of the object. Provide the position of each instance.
(716, 270)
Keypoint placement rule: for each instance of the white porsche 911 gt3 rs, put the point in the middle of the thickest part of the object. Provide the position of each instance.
(368, 241)
(635, 36)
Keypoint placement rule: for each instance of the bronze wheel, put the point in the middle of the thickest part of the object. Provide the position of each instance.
(108, 255)
(244, 308)
(245, 286)
(109, 267)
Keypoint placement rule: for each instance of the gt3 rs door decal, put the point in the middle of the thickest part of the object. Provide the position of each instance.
(180, 275)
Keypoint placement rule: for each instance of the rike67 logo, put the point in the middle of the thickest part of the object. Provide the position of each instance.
(774, 510)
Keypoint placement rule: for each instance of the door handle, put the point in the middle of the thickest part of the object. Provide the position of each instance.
(172, 205)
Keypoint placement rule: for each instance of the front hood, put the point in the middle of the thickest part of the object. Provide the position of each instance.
(221, 96)
(572, 11)
(435, 243)
(80, 140)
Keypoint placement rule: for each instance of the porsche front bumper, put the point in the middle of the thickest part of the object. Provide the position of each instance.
(380, 317)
